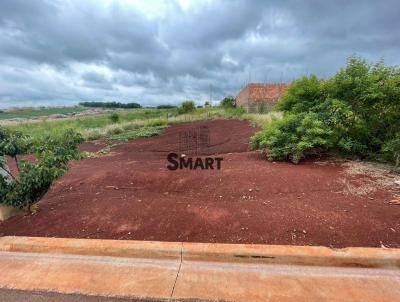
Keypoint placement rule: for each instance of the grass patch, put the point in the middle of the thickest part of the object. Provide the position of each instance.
(104, 151)
(95, 127)
(142, 132)
(262, 120)
(131, 124)
(34, 112)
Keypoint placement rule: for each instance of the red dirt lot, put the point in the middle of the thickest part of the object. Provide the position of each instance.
(130, 194)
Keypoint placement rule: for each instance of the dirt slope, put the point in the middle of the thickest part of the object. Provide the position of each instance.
(129, 194)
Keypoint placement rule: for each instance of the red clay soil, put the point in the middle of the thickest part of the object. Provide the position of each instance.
(130, 194)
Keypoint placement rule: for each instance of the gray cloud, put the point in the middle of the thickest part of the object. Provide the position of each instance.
(62, 52)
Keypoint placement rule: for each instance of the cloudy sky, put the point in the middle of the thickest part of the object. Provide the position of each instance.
(55, 52)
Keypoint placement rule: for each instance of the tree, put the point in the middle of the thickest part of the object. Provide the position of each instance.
(228, 102)
(302, 95)
(187, 107)
(34, 178)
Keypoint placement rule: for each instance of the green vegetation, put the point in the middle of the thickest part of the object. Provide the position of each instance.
(110, 105)
(228, 102)
(166, 106)
(187, 107)
(34, 178)
(84, 124)
(291, 136)
(55, 142)
(101, 126)
(33, 112)
(138, 133)
(356, 113)
(114, 117)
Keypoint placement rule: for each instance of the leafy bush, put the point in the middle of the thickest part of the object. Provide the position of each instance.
(114, 117)
(187, 107)
(391, 150)
(34, 178)
(360, 105)
(13, 143)
(294, 136)
(228, 102)
(302, 95)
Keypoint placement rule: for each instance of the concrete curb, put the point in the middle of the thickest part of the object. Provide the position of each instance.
(174, 271)
(227, 253)
(92, 247)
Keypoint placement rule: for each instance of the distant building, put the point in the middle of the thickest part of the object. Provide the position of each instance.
(253, 94)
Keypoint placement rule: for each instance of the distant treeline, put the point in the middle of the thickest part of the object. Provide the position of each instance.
(110, 105)
(166, 106)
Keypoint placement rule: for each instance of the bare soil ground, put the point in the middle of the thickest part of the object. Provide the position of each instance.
(130, 194)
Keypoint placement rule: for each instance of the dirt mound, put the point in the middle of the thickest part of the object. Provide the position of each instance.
(130, 194)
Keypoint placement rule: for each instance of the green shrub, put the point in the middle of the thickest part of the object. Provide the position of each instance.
(228, 102)
(114, 117)
(302, 95)
(13, 143)
(187, 107)
(34, 178)
(391, 150)
(360, 105)
(293, 137)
